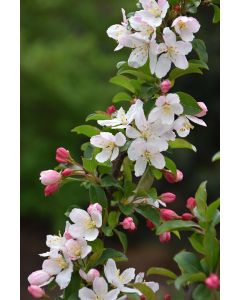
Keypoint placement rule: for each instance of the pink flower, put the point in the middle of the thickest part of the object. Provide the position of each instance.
(168, 214)
(171, 178)
(187, 217)
(38, 278)
(67, 172)
(165, 237)
(165, 86)
(51, 189)
(204, 111)
(49, 177)
(128, 223)
(191, 203)
(111, 109)
(168, 197)
(62, 155)
(95, 206)
(90, 276)
(36, 291)
(185, 27)
(212, 282)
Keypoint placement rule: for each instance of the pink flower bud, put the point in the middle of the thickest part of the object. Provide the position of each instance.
(128, 223)
(167, 297)
(49, 177)
(177, 8)
(165, 86)
(168, 197)
(62, 155)
(187, 217)
(204, 111)
(165, 237)
(51, 189)
(90, 276)
(168, 214)
(38, 277)
(67, 172)
(191, 203)
(67, 235)
(111, 109)
(36, 291)
(150, 224)
(171, 178)
(142, 297)
(212, 282)
(95, 206)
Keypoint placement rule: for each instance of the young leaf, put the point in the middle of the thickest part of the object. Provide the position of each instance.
(139, 74)
(89, 164)
(216, 156)
(97, 195)
(145, 182)
(110, 253)
(189, 104)
(181, 144)
(123, 239)
(127, 171)
(109, 181)
(126, 209)
(211, 248)
(145, 290)
(176, 225)
(149, 213)
(113, 218)
(196, 241)
(156, 173)
(201, 199)
(189, 278)
(161, 271)
(119, 97)
(87, 130)
(192, 68)
(201, 292)
(188, 262)
(170, 165)
(216, 16)
(124, 82)
(212, 209)
(99, 115)
(200, 48)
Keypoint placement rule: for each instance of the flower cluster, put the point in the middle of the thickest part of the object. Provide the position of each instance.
(144, 32)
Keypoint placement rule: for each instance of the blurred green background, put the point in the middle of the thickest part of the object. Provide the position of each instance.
(66, 62)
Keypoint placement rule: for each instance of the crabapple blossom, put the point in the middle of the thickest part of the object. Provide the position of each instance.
(122, 119)
(142, 29)
(85, 225)
(173, 51)
(39, 278)
(183, 126)
(117, 279)
(90, 276)
(165, 86)
(204, 111)
(77, 248)
(95, 206)
(185, 27)
(36, 291)
(128, 223)
(67, 235)
(99, 292)
(191, 203)
(167, 107)
(167, 197)
(165, 237)
(145, 153)
(212, 282)
(55, 243)
(149, 201)
(171, 178)
(62, 155)
(109, 143)
(154, 286)
(50, 177)
(168, 214)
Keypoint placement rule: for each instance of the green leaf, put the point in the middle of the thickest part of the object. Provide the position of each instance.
(212, 209)
(199, 63)
(139, 74)
(176, 225)
(113, 218)
(170, 165)
(123, 239)
(216, 156)
(92, 260)
(109, 181)
(211, 248)
(108, 231)
(97, 195)
(87, 130)
(110, 253)
(188, 262)
(181, 144)
(201, 292)
(161, 271)
(98, 115)
(149, 213)
(156, 173)
(196, 241)
(192, 68)
(216, 16)
(89, 164)
(145, 182)
(127, 171)
(201, 199)
(188, 279)
(124, 82)
(121, 97)
(200, 48)
(126, 209)
(96, 245)
(192, 5)
(189, 104)
(145, 290)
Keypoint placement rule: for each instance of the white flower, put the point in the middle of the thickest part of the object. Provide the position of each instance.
(77, 248)
(85, 225)
(55, 243)
(153, 12)
(123, 119)
(185, 27)
(119, 32)
(61, 266)
(154, 286)
(173, 52)
(167, 107)
(99, 292)
(117, 279)
(149, 201)
(143, 153)
(110, 145)
(183, 126)
(144, 29)
(146, 130)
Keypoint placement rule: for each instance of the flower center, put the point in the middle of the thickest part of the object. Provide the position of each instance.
(167, 108)
(60, 261)
(182, 25)
(148, 155)
(90, 224)
(171, 51)
(155, 11)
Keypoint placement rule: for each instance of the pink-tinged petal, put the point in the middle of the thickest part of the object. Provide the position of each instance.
(172, 98)
(100, 287)
(158, 161)
(183, 48)
(77, 215)
(140, 166)
(112, 295)
(187, 36)
(104, 155)
(163, 66)
(63, 278)
(120, 139)
(154, 114)
(138, 57)
(86, 294)
(75, 231)
(51, 267)
(91, 234)
(136, 149)
(127, 275)
(97, 217)
(110, 270)
(115, 31)
(132, 132)
(169, 37)
(194, 25)
(197, 120)
(177, 108)
(180, 61)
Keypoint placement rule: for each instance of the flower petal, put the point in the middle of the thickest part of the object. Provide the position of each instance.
(158, 161)
(86, 294)
(138, 57)
(104, 155)
(140, 166)
(163, 66)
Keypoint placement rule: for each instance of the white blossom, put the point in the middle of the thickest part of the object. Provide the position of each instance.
(173, 51)
(154, 286)
(185, 27)
(77, 248)
(183, 126)
(109, 143)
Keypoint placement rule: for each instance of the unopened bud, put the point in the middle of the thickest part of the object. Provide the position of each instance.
(111, 109)
(38, 277)
(165, 86)
(204, 111)
(167, 297)
(168, 214)
(49, 177)
(67, 172)
(62, 155)
(171, 178)
(128, 224)
(165, 237)
(168, 197)
(191, 203)
(212, 282)
(187, 217)
(150, 224)
(95, 206)
(36, 291)
(51, 189)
